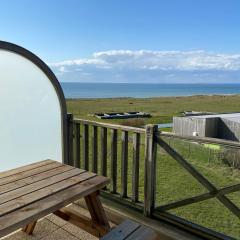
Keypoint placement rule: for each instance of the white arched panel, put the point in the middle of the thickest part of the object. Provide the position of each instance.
(32, 111)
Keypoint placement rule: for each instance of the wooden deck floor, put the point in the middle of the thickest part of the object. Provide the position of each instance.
(51, 228)
(48, 229)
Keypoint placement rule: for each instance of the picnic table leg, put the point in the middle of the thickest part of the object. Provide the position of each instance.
(29, 228)
(97, 211)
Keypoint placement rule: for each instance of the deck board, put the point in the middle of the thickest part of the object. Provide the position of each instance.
(123, 231)
(130, 230)
(143, 233)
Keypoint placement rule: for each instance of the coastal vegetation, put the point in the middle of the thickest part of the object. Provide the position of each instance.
(162, 109)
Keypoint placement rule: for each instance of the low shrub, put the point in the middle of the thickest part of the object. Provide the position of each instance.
(135, 122)
(232, 158)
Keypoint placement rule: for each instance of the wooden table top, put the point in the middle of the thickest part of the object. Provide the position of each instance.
(36, 190)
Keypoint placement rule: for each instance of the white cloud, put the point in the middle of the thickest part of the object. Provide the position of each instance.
(155, 66)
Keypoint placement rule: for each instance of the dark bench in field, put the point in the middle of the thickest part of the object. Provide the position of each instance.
(130, 230)
(122, 115)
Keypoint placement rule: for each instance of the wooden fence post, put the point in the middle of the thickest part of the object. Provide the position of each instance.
(150, 169)
(85, 148)
(70, 138)
(76, 145)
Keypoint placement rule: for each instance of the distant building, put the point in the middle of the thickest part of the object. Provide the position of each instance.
(195, 113)
(224, 126)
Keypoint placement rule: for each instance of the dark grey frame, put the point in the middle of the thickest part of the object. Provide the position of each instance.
(52, 78)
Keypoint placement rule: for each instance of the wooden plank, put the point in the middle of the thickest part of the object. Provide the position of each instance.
(114, 143)
(30, 172)
(104, 151)
(85, 147)
(150, 169)
(97, 212)
(109, 125)
(34, 178)
(124, 163)
(198, 176)
(24, 168)
(29, 228)
(14, 194)
(122, 231)
(81, 221)
(25, 215)
(143, 233)
(24, 200)
(95, 149)
(76, 147)
(135, 167)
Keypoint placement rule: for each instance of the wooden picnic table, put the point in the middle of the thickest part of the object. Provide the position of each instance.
(31, 192)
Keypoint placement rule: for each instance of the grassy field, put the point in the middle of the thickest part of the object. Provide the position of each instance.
(162, 109)
(173, 182)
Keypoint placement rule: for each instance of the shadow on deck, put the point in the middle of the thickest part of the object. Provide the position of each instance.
(53, 227)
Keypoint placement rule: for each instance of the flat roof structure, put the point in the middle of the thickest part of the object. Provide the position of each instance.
(224, 126)
(233, 116)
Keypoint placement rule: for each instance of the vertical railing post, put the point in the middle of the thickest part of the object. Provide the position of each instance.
(85, 147)
(104, 151)
(124, 164)
(135, 166)
(114, 146)
(70, 139)
(95, 149)
(150, 169)
(76, 145)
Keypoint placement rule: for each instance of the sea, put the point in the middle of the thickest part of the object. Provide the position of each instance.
(143, 90)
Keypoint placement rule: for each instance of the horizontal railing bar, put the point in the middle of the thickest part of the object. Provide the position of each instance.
(218, 141)
(109, 125)
(199, 198)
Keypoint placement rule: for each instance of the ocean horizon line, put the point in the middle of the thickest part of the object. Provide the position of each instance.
(133, 90)
(171, 83)
(169, 96)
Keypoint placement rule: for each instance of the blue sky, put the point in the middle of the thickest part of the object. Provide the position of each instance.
(123, 41)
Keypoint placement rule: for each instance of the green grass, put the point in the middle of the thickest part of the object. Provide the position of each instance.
(162, 109)
(173, 182)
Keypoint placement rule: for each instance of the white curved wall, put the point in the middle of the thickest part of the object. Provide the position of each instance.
(30, 114)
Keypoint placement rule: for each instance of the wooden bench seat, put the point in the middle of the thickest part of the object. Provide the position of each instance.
(130, 230)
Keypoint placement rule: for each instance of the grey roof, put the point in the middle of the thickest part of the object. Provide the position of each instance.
(235, 117)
